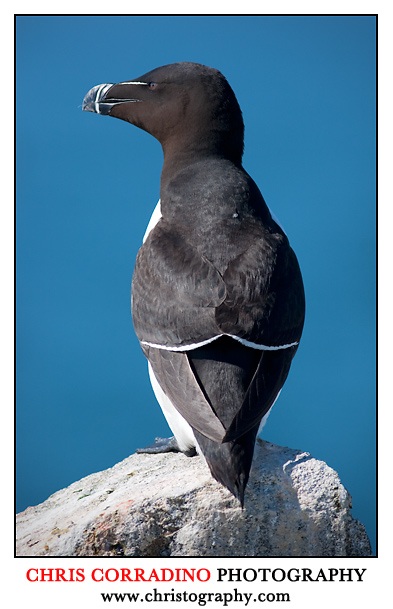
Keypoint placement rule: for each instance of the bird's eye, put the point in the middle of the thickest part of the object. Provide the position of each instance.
(153, 85)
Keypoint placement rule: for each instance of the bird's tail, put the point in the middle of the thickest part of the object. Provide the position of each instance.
(230, 462)
(224, 370)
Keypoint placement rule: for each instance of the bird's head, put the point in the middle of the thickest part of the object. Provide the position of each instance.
(189, 103)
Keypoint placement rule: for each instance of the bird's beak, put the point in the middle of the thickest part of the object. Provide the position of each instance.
(102, 98)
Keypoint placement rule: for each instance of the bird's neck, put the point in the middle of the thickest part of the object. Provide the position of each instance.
(178, 159)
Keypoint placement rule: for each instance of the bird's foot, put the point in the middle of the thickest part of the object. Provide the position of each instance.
(166, 445)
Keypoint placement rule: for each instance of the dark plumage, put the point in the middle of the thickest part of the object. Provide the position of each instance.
(217, 294)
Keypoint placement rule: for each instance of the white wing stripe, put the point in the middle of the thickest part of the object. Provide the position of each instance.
(243, 341)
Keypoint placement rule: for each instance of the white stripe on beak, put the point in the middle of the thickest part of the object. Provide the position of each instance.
(100, 93)
(133, 82)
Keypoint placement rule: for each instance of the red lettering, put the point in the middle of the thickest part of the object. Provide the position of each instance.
(93, 575)
(55, 575)
(125, 575)
(110, 579)
(206, 576)
(46, 573)
(170, 575)
(139, 575)
(154, 576)
(80, 575)
(29, 574)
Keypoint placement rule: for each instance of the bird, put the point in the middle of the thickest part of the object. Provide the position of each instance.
(217, 295)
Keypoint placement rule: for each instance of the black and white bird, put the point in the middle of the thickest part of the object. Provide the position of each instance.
(217, 293)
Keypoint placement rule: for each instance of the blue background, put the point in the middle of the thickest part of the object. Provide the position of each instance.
(87, 185)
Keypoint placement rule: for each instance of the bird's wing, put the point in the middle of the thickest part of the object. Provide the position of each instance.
(269, 377)
(181, 301)
(175, 291)
(265, 296)
(173, 371)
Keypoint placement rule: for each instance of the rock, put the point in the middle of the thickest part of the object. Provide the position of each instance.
(168, 505)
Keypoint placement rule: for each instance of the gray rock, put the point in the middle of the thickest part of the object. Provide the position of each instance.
(168, 505)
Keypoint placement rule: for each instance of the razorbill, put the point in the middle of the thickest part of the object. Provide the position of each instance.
(217, 294)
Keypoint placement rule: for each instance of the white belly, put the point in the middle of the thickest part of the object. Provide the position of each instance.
(155, 218)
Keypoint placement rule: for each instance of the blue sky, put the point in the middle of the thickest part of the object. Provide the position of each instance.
(87, 185)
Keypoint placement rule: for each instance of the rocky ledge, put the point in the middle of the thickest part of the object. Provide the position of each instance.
(168, 505)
